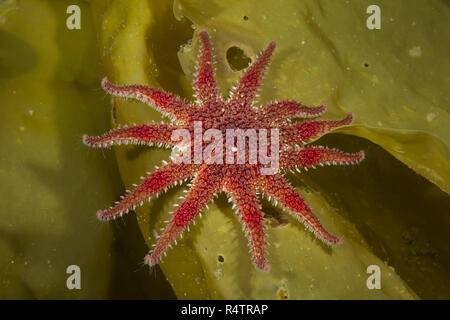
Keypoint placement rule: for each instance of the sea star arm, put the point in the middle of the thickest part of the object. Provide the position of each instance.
(159, 133)
(206, 184)
(277, 187)
(205, 83)
(309, 157)
(167, 103)
(155, 182)
(245, 92)
(302, 132)
(249, 209)
(281, 111)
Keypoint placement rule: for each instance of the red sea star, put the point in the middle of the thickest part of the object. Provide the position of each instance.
(241, 182)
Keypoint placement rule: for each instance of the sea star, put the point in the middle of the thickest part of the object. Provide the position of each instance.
(242, 182)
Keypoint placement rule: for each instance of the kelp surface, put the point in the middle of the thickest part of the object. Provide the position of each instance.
(392, 209)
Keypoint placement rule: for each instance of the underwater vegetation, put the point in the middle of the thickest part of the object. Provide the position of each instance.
(392, 209)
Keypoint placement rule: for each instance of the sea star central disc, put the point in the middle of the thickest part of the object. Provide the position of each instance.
(214, 171)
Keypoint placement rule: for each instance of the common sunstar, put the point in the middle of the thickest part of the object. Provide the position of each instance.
(243, 183)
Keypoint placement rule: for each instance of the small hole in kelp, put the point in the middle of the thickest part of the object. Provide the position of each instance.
(220, 258)
(237, 59)
(366, 65)
(245, 18)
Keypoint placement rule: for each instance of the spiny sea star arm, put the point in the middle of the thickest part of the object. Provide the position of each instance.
(278, 188)
(302, 132)
(205, 83)
(309, 157)
(155, 182)
(248, 207)
(206, 184)
(245, 92)
(151, 133)
(165, 102)
(280, 111)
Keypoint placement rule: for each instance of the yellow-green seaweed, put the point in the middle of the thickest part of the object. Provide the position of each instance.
(320, 59)
(395, 81)
(51, 184)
